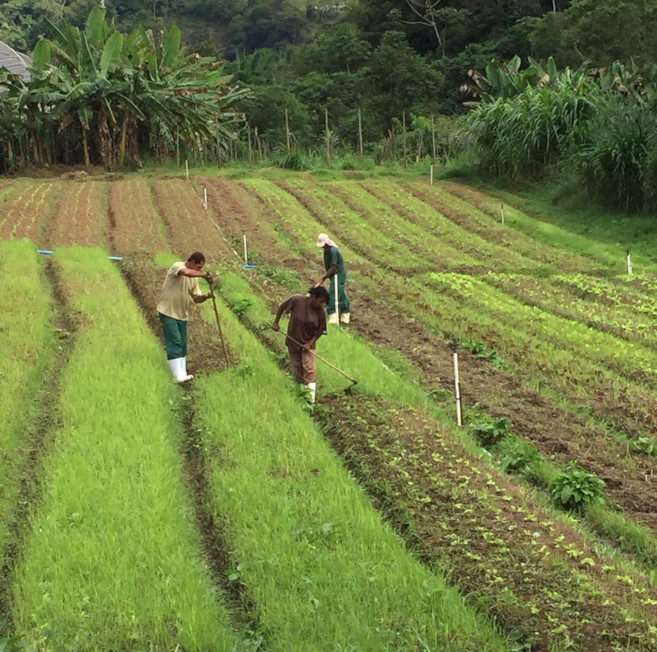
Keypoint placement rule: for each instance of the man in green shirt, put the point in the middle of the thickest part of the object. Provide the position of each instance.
(335, 270)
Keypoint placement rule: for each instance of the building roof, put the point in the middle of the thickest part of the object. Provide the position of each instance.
(15, 62)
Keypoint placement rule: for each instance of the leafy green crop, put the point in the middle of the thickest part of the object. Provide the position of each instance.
(575, 488)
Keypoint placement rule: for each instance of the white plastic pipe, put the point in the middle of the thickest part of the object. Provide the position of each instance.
(205, 198)
(431, 174)
(336, 293)
(629, 264)
(457, 388)
(246, 257)
(186, 169)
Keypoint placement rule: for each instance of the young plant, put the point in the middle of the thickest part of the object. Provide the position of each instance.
(575, 488)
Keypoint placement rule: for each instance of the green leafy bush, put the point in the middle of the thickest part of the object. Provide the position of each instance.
(518, 457)
(575, 488)
(490, 432)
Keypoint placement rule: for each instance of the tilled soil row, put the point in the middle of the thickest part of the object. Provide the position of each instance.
(559, 434)
(41, 438)
(133, 223)
(78, 217)
(537, 576)
(26, 215)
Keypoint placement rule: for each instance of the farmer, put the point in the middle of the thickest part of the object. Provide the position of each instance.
(307, 325)
(334, 264)
(180, 288)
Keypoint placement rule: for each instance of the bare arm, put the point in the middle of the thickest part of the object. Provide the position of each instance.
(329, 272)
(286, 306)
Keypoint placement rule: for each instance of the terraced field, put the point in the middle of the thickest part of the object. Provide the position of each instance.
(227, 515)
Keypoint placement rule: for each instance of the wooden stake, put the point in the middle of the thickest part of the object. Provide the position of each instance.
(360, 134)
(287, 131)
(186, 169)
(433, 139)
(502, 212)
(404, 135)
(246, 257)
(629, 264)
(205, 198)
(327, 137)
(431, 174)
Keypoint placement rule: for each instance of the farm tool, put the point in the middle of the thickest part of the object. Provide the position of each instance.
(326, 362)
(216, 316)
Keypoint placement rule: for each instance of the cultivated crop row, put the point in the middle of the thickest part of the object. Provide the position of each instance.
(78, 216)
(134, 223)
(25, 211)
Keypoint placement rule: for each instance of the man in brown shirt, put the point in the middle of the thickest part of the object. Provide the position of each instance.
(179, 290)
(307, 325)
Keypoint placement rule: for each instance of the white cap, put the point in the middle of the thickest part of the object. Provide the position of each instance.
(323, 239)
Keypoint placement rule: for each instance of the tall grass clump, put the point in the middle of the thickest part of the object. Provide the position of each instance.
(518, 137)
(113, 561)
(616, 159)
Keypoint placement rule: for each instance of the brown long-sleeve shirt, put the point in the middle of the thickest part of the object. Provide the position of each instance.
(306, 322)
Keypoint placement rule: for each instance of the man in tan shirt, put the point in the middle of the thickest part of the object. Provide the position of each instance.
(179, 290)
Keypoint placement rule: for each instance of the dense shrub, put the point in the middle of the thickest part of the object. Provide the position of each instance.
(616, 159)
(517, 137)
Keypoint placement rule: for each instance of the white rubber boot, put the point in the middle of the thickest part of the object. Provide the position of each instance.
(312, 387)
(184, 370)
(333, 318)
(177, 366)
(345, 317)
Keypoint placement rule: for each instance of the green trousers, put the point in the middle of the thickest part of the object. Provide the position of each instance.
(343, 301)
(175, 336)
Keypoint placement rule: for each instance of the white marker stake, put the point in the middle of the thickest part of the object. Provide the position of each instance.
(457, 385)
(246, 258)
(502, 211)
(186, 170)
(205, 198)
(629, 264)
(431, 174)
(337, 309)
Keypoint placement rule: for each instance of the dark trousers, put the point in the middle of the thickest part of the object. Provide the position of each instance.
(175, 336)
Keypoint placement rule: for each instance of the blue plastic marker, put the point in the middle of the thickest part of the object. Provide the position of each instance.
(48, 252)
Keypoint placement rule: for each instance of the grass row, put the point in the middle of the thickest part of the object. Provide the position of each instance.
(113, 562)
(29, 341)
